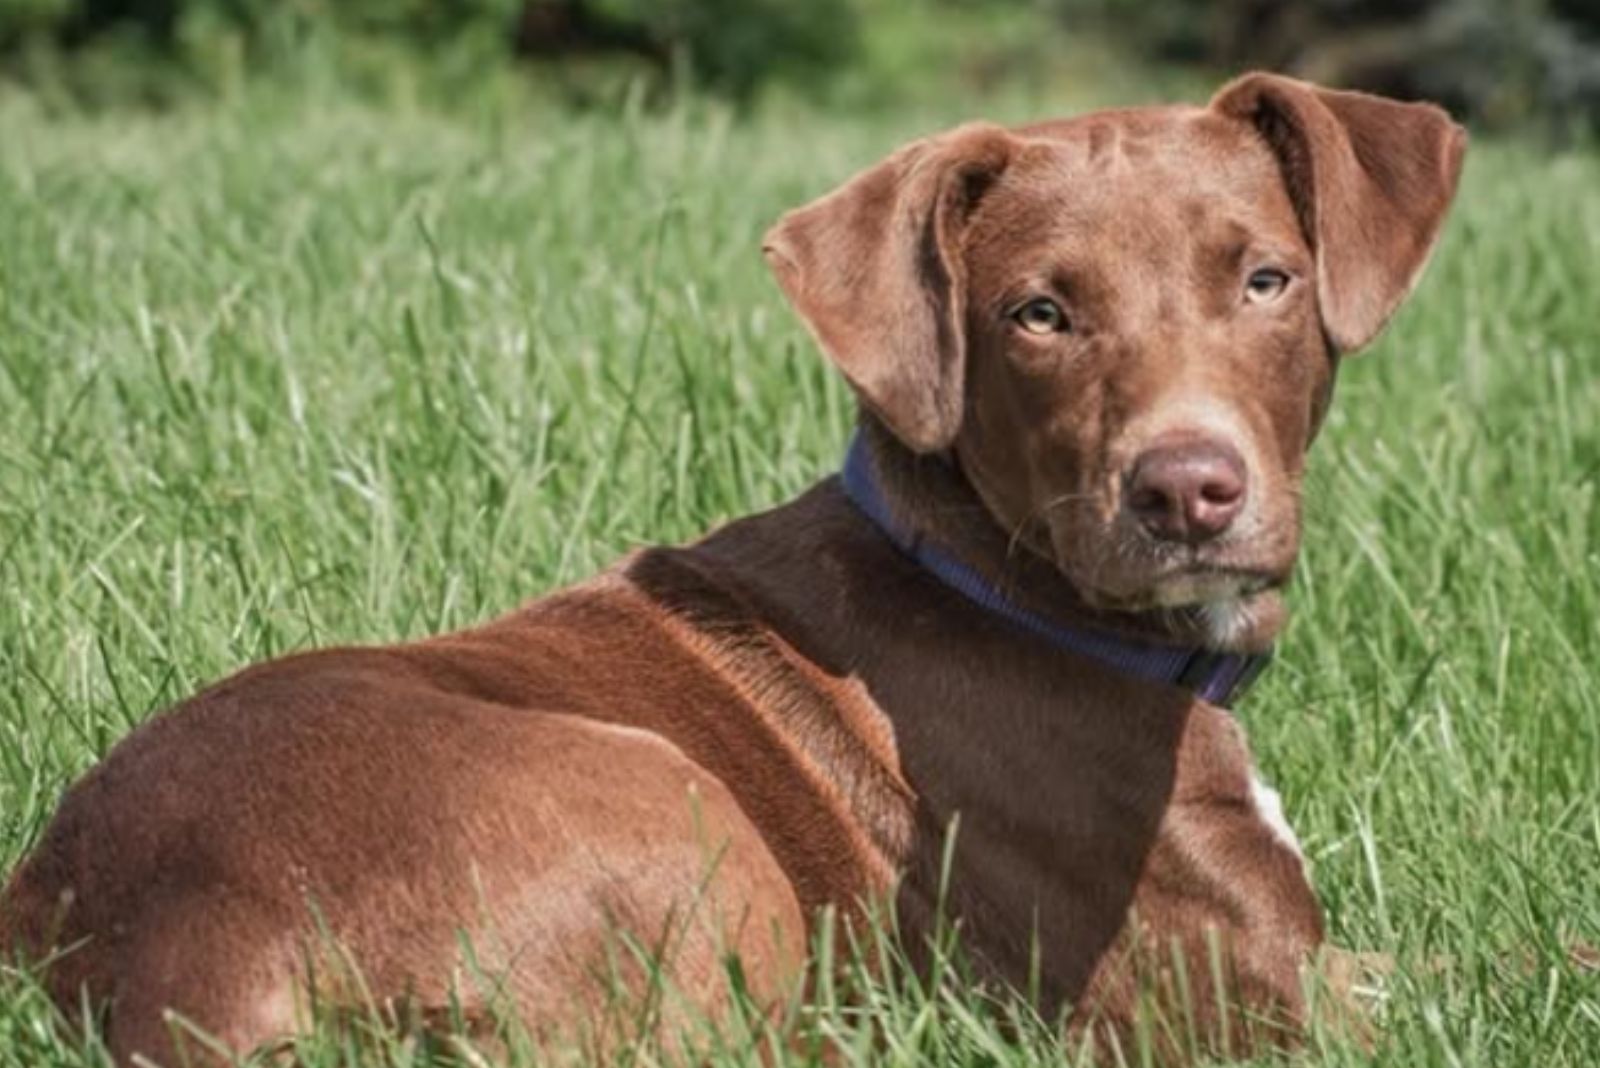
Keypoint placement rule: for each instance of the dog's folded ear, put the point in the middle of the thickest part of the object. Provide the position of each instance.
(1372, 180)
(874, 268)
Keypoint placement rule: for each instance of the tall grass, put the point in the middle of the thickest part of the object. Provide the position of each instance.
(288, 370)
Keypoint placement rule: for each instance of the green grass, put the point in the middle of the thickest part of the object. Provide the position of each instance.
(287, 371)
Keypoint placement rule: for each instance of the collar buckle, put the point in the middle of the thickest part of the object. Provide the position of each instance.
(1222, 678)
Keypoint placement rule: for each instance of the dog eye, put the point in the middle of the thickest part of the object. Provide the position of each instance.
(1042, 316)
(1266, 284)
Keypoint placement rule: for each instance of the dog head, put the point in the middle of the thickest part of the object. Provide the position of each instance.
(1124, 327)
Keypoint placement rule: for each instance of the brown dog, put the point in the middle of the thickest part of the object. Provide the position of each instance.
(1091, 356)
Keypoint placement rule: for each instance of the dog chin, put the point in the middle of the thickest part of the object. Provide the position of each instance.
(1247, 620)
(1235, 611)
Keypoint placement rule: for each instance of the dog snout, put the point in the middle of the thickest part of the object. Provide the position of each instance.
(1188, 492)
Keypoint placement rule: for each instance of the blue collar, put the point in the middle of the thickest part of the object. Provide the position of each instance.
(1220, 678)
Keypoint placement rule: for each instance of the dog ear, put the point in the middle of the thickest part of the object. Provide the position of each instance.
(875, 270)
(1371, 179)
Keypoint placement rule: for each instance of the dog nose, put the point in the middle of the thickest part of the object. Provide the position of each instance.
(1189, 492)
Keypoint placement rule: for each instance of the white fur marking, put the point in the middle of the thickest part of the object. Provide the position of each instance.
(1269, 806)
(1226, 621)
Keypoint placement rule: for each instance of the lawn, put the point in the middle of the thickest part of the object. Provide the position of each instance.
(289, 370)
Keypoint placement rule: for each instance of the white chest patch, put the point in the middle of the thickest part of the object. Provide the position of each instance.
(1269, 806)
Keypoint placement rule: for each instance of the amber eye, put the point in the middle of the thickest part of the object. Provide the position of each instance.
(1042, 316)
(1265, 285)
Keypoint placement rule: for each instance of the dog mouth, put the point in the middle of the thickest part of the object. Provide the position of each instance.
(1114, 569)
(1198, 584)
(1187, 585)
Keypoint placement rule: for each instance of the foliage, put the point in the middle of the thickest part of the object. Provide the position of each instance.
(731, 46)
(1499, 62)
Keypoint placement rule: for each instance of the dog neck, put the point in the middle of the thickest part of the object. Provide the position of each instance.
(931, 513)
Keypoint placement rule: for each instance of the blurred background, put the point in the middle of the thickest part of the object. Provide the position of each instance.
(1499, 63)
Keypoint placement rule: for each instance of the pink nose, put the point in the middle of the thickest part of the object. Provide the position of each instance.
(1187, 492)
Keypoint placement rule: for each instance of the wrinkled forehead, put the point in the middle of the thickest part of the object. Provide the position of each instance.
(1137, 185)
